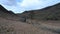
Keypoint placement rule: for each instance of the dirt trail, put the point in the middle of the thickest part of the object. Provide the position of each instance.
(53, 26)
(21, 28)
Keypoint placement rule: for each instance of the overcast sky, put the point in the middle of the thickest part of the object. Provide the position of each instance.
(19, 6)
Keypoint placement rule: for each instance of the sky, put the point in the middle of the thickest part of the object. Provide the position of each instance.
(19, 6)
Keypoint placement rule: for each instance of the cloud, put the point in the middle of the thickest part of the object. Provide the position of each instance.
(8, 2)
(26, 3)
(19, 6)
(36, 4)
(30, 4)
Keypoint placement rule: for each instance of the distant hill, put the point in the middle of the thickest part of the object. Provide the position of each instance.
(4, 13)
(48, 13)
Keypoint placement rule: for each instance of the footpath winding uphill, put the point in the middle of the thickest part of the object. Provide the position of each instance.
(17, 27)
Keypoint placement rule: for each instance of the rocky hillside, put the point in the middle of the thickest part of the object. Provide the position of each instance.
(48, 13)
(8, 14)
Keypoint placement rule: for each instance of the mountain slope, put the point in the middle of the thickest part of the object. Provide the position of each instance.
(8, 14)
(48, 13)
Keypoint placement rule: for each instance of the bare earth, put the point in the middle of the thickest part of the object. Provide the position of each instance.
(17, 27)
